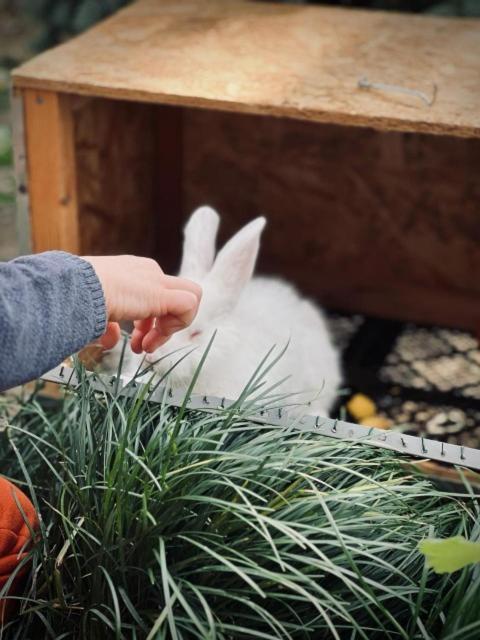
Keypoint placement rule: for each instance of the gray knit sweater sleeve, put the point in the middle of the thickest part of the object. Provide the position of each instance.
(51, 305)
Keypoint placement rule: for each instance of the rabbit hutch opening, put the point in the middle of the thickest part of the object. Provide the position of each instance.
(354, 132)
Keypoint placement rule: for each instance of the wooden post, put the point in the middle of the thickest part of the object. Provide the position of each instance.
(49, 139)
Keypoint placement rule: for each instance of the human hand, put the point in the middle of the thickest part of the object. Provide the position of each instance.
(137, 289)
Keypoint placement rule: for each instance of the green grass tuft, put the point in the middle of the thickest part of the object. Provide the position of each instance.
(163, 524)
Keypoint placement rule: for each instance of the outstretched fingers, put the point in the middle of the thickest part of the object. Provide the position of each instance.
(141, 328)
(176, 308)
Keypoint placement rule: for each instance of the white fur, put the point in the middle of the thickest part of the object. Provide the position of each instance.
(250, 316)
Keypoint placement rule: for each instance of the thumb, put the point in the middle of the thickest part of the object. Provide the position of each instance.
(111, 336)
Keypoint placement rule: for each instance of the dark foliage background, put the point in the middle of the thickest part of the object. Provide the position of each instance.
(60, 19)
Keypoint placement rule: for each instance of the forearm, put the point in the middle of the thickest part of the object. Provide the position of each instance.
(51, 305)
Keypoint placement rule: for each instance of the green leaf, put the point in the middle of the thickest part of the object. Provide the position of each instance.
(449, 554)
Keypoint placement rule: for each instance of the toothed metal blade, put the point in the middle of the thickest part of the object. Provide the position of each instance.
(340, 429)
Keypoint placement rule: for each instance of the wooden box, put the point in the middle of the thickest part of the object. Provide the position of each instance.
(356, 133)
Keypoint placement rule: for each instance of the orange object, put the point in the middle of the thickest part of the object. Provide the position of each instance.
(15, 540)
(361, 406)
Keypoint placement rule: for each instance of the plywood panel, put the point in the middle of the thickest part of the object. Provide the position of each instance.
(127, 165)
(384, 223)
(285, 60)
(169, 175)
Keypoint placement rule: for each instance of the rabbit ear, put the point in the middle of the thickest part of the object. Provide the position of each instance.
(200, 234)
(235, 263)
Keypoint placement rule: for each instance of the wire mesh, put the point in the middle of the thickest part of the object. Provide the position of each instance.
(424, 380)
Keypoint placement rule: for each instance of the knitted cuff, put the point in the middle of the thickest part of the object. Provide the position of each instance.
(97, 296)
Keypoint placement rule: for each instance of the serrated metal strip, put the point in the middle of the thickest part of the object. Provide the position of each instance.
(393, 440)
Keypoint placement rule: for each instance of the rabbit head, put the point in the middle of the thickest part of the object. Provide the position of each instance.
(223, 279)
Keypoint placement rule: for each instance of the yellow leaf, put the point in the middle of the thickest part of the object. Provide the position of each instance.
(449, 554)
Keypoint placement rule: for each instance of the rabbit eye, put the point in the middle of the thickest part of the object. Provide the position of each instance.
(195, 334)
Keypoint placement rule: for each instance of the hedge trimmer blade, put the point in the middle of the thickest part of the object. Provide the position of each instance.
(332, 428)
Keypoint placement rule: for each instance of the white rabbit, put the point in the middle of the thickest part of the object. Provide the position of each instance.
(250, 316)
